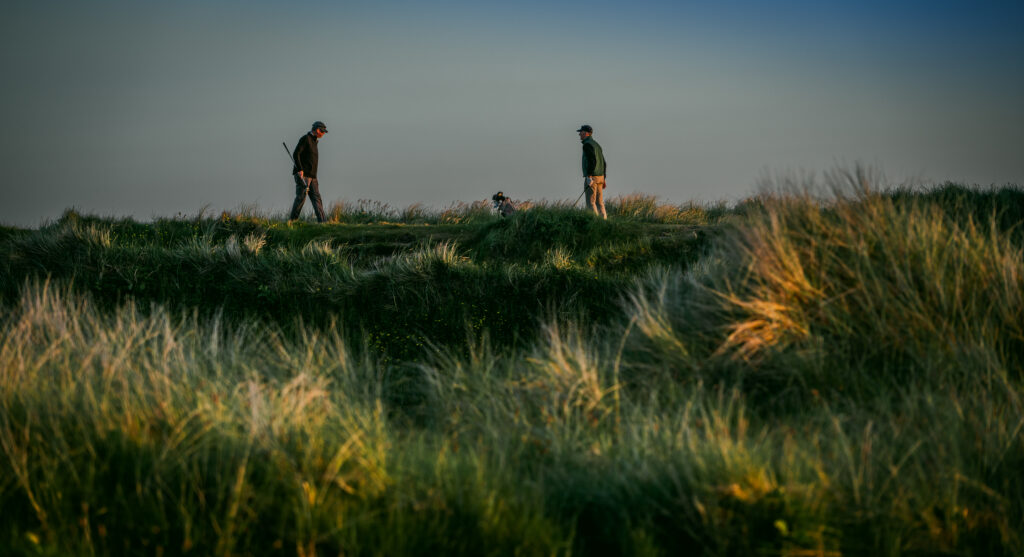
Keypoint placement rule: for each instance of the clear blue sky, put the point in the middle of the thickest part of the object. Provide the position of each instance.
(152, 108)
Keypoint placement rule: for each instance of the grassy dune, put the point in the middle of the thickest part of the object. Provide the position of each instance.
(797, 375)
(403, 284)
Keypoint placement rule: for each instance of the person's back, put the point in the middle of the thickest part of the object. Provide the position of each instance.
(593, 157)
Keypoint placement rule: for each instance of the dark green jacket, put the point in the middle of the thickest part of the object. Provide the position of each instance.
(593, 158)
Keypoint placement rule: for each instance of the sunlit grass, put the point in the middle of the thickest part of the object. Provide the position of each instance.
(804, 374)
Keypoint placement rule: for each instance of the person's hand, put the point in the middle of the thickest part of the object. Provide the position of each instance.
(300, 175)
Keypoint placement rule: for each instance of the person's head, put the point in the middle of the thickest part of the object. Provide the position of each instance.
(585, 131)
(319, 129)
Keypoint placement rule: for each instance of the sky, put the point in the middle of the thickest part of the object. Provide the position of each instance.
(149, 109)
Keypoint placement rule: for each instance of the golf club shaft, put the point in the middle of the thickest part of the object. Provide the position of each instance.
(285, 145)
(579, 198)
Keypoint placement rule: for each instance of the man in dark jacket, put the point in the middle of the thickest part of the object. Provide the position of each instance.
(593, 171)
(306, 157)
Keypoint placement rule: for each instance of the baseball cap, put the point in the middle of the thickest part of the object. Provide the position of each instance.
(586, 128)
(320, 125)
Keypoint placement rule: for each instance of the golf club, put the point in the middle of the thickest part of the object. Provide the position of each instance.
(285, 145)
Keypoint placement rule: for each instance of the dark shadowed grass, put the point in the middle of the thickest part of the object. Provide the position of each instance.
(1003, 206)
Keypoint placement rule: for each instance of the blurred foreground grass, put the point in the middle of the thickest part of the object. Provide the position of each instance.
(791, 376)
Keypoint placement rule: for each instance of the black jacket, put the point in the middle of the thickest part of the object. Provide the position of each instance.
(306, 157)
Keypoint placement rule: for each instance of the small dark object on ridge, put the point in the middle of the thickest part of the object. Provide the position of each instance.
(503, 204)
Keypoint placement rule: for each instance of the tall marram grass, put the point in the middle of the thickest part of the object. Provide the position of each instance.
(901, 290)
(836, 375)
(131, 434)
(126, 433)
(897, 318)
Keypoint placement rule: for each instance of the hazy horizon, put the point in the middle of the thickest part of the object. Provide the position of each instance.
(144, 110)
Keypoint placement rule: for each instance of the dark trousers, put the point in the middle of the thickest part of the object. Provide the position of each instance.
(309, 186)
